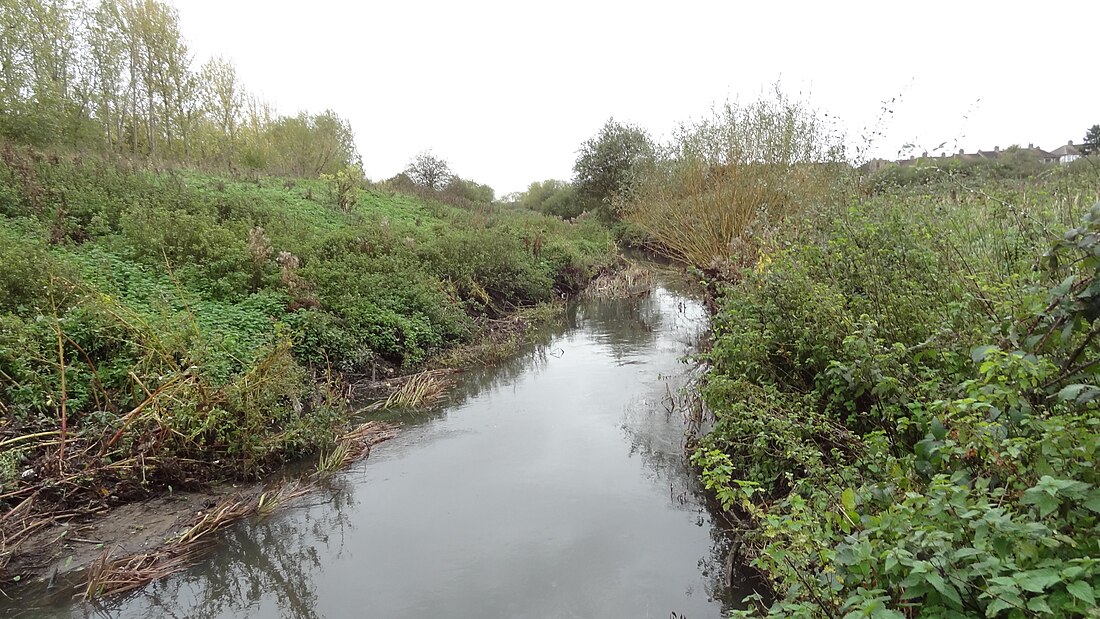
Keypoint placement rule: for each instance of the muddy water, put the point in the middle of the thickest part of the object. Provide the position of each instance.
(552, 486)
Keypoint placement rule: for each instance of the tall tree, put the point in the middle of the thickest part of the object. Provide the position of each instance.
(609, 163)
(1091, 146)
(223, 95)
(37, 67)
(106, 54)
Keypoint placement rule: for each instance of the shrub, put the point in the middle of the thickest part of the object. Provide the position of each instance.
(905, 411)
(723, 186)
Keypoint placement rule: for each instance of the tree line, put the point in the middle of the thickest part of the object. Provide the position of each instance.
(608, 164)
(118, 76)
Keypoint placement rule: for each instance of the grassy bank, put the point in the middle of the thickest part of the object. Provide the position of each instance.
(903, 375)
(161, 329)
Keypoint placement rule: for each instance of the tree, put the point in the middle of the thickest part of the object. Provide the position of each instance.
(223, 101)
(307, 146)
(551, 197)
(1091, 145)
(38, 47)
(460, 190)
(106, 48)
(609, 163)
(429, 171)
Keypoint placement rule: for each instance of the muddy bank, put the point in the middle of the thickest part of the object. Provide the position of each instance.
(108, 549)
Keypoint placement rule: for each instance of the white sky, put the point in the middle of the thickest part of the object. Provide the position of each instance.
(507, 91)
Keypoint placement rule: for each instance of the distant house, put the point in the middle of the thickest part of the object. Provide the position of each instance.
(1066, 154)
(1062, 154)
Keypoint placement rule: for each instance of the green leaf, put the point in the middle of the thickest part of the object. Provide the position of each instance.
(945, 588)
(1092, 503)
(1063, 287)
(1040, 498)
(1082, 591)
(1036, 581)
(848, 500)
(997, 606)
(1039, 605)
(937, 429)
(981, 352)
(1072, 571)
(1070, 392)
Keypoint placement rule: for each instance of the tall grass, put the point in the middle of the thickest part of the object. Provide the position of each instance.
(719, 189)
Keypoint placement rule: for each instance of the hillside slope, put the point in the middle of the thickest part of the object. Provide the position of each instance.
(162, 328)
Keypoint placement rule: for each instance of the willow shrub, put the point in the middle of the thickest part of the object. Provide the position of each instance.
(721, 187)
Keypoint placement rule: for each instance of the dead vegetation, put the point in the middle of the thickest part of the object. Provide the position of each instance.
(32, 533)
(354, 445)
(109, 576)
(631, 281)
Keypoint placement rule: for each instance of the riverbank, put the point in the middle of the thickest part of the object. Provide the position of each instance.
(553, 482)
(162, 331)
(904, 402)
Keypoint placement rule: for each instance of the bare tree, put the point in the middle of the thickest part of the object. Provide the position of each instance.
(429, 171)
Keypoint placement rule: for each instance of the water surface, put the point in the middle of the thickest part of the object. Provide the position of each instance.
(551, 486)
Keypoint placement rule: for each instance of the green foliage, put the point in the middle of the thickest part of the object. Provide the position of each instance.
(551, 197)
(460, 190)
(609, 164)
(117, 76)
(906, 409)
(198, 321)
(344, 185)
(723, 185)
(1091, 144)
(956, 173)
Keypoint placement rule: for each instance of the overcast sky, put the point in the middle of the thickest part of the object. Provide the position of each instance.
(507, 91)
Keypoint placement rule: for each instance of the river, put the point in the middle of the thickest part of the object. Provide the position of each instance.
(551, 486)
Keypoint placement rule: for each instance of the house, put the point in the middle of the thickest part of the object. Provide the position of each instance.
(1067, 153)
(1061, 155)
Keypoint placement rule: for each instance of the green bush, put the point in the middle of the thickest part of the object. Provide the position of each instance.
(906, 410)
(190, 316)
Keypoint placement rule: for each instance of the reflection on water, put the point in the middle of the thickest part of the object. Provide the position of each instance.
(553, 485)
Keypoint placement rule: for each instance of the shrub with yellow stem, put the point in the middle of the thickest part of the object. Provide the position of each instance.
(725, 184)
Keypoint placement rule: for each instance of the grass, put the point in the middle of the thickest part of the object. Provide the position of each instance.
(169, 328)
(420, 390)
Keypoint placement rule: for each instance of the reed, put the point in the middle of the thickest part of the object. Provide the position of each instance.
(631, 281)
(420, 390)
(717, 193)
(354, 445)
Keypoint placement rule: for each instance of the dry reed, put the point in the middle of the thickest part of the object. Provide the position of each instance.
(621, 283)
(420, 390)
(107, 576)
(354, 445)
(719, 192)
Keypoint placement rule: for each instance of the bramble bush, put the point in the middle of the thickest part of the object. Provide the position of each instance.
(905, 403)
